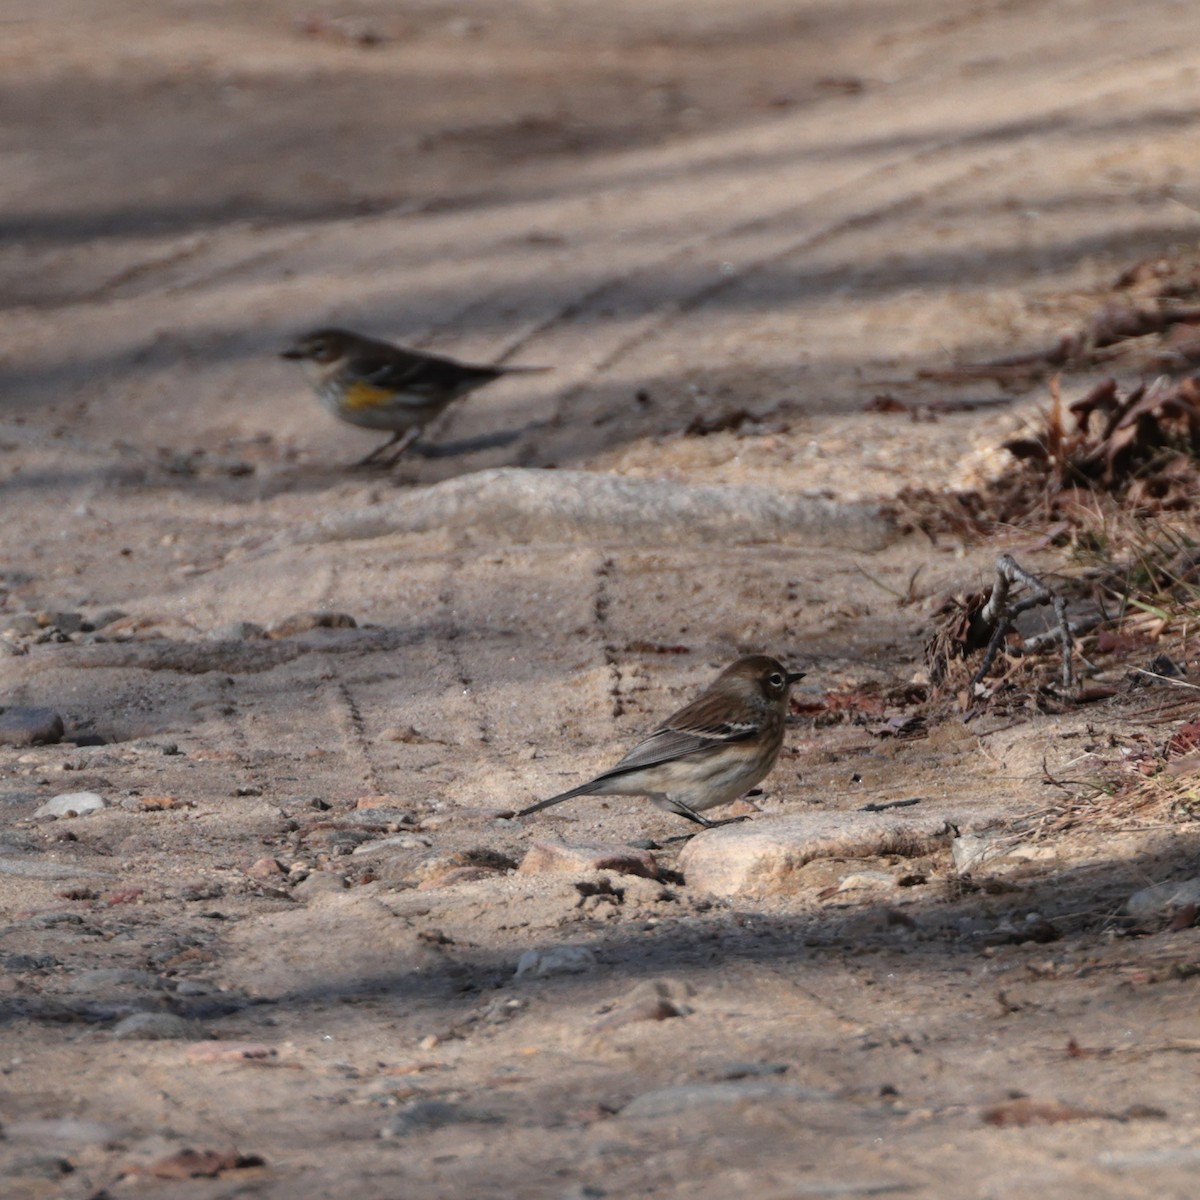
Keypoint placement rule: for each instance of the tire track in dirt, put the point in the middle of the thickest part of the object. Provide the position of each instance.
(722, 243)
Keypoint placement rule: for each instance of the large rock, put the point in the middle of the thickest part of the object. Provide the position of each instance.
(23, 726)
(71, 804)
(522, 504)
(764, 856)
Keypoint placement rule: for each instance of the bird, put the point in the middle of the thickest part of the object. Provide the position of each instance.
(708, 753)
(377, 385)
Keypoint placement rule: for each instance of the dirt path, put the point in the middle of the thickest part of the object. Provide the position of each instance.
(744, 220)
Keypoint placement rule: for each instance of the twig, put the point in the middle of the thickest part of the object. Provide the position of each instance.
(999, 616)
(1166, 678)
(877, 808)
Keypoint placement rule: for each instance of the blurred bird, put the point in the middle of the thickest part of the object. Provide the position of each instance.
(708, 753)
(380, 386)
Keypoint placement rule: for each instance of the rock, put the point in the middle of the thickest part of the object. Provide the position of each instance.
(650, 1000)
(21, 623)
(21, 726)
(557, 960)
(61, 1131)
(1163, 898)
(766, 856)
(452, 876)
(319, 883)
(236, 631)
(1154, 1159)
(154, 1026)
(523, 504)
(29, 962)
(109, 978)
(71, 804)
(748, 1070)
(64, 622)
(867, 879)
(265, 868)
(419, 1115)
(670, 1101)
(107, 617)
(563, 858)
(306, 622)
(39, 1166)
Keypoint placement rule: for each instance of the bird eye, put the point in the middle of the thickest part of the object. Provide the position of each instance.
(776, 680)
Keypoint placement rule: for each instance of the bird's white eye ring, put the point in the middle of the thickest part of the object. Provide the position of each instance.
(776, 679)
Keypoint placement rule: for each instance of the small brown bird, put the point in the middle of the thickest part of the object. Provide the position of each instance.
(708, 753)
(376, 385)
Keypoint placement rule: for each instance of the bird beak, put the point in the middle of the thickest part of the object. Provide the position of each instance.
(795, 676)
(292, 352)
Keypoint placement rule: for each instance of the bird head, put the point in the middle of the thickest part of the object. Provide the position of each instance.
(322, 346)
(762, 674)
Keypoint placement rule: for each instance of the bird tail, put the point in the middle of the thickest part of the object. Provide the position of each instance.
(504, 369)
(584, 789)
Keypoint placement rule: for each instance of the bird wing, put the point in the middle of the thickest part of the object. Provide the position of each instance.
(676, 740)
(405, 371)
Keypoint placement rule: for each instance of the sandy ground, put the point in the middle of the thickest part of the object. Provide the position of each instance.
(690, 211)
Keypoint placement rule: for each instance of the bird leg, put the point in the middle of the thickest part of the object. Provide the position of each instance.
(405, 441)
(405, 437)
(680, 809)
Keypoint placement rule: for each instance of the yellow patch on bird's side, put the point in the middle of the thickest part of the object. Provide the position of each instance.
(363, 395)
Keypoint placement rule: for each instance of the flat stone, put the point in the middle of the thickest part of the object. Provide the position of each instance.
(61, 1131)
(1163, 898)
(40, 1166)
(236, 631)
(521, 504)
(557, 960)
(104, 979)
(320, 883)
(1153, 1159)
(420, 1115)
(867, 879)
(29, 962)
(650, 1000)
(71, 804)
(108, 616)
(670, 1101)
(306, 622)
(25, 726)
(65, 622)
(766, 856)
(571, 859)
(154, 1026)
(22, 623)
